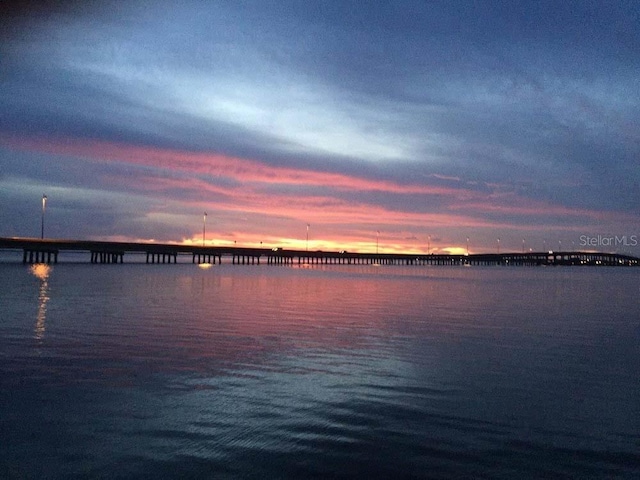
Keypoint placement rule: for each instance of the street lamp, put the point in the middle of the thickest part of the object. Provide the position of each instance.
(377, 237)
(498, 246)
(308, 237)
(44, 206)
(523, 245)
(429, 245)
(204, 227)
(467, 246)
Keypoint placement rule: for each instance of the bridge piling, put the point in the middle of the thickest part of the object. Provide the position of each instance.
(105, 257)
(32, 256)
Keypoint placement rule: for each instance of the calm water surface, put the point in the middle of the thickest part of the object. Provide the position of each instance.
(172, 371)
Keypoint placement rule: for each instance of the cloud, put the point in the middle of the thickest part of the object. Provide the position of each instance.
(487, 115)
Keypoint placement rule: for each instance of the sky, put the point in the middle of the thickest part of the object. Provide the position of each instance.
(407, 126)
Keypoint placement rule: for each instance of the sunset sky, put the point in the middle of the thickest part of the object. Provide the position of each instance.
(428, 122)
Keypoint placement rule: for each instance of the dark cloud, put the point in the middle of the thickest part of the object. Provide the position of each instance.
(538, 100)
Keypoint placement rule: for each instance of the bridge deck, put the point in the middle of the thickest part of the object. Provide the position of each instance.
(46, 251)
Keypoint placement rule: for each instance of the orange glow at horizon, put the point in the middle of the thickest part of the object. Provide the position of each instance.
(350, 244)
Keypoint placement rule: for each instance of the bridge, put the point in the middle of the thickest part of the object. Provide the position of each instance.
(49, 251)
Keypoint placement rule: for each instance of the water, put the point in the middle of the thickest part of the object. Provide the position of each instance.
(172, 371)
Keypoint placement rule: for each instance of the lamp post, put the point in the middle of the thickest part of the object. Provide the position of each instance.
(377, 237)
(44, 206)
(498, 246)
(523, 245)
(308, 237)
(204, 227)
(429, 245)
(467, 246)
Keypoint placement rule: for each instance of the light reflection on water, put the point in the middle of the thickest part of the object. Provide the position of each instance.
(176, 371)
(41, 271)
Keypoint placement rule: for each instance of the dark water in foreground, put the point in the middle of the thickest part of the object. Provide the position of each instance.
(135, 371)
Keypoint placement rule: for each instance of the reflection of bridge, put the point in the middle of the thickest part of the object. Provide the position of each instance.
(46, 251)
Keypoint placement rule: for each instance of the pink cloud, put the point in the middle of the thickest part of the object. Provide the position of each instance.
(244, 170)
(249, 189)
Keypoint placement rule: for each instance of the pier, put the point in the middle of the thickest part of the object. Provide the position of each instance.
(50, 251)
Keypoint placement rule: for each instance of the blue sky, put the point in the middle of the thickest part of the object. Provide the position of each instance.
(428, 122)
